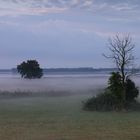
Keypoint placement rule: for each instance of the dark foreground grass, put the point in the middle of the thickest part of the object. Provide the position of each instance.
(62, 118)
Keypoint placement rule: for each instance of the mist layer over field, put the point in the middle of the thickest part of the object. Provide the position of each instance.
(60, 116)
(71, 83)
(54, 83)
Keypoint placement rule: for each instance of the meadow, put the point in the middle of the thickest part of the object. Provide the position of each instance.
(58, 115)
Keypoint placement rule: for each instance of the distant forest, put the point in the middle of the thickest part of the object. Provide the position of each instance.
(72, 70)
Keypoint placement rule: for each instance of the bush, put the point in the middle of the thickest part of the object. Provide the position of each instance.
(131, 90)
(115, 85)
(113, 97)
(103, 102)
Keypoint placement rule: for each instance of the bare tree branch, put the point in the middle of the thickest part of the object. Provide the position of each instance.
(121, 49)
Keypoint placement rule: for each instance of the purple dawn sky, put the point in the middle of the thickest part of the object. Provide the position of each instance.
(65, 33)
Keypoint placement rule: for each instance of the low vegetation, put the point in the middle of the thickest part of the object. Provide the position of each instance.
(112, 99)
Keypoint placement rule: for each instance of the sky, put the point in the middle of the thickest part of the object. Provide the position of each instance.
(65, 33)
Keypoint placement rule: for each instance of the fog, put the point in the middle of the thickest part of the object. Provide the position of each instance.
(57, 83)
(70, 83)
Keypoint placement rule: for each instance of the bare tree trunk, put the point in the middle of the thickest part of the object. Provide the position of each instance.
(123, 83)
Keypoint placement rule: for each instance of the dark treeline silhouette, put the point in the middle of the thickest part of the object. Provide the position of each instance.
(81, 69)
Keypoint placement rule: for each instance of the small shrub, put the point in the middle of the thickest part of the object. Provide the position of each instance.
(103, 102)
(131, 90)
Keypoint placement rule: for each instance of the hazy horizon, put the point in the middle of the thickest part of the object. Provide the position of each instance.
(94, 68)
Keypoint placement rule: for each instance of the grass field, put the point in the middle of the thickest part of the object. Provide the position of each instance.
(62, 118)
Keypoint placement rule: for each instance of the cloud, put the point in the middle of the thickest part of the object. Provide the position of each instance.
(31, 11)
(31, 7)
(109, 12)
(37, 7)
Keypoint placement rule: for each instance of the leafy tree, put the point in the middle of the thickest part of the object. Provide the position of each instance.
(30, 69)
(115, 85)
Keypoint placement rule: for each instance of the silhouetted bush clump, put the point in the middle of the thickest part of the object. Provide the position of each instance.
(113, 96)
(131, 90)
(102, 102)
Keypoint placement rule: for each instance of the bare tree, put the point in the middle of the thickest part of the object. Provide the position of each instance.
(122, 54)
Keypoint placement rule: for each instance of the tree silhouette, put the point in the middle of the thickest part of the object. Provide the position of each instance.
(30, 69)
(121, 49)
